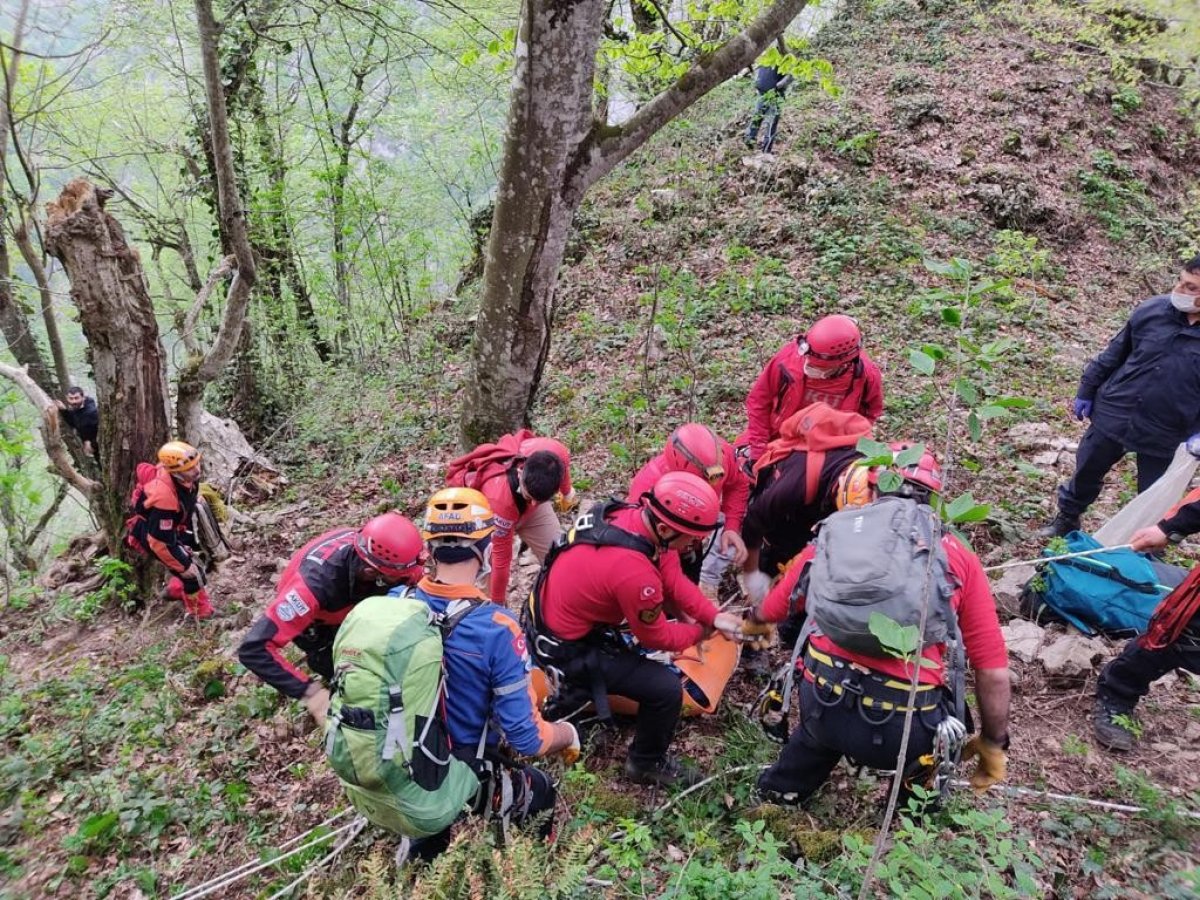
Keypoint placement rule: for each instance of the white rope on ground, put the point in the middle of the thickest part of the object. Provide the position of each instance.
(247, 869)
(1017, 791)
(1046, 559)
(695, 787)
(356, 828)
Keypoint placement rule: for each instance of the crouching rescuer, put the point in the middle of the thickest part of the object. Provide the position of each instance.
(889, 557)
(432, 695)
(616, 578)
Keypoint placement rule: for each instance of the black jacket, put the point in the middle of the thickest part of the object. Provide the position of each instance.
(85, 420)
(1145, 386)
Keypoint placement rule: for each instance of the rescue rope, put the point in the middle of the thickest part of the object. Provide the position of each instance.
(1046, 559)
(356, 828)
(247, 869)
(1016, 791)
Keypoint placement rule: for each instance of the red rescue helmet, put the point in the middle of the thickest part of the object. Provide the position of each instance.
(695, 448)
(924, 472)
(685, 502)
(393, 546)
(833, 341)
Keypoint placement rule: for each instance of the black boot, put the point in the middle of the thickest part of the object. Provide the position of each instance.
(1112, 727)
(1060, 526)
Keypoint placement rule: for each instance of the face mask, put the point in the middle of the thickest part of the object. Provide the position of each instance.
(818, 374)
(1185, 303)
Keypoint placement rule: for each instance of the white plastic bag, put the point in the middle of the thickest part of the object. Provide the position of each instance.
(1148, 507)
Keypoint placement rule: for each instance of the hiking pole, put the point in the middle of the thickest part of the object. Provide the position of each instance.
(1046, 559)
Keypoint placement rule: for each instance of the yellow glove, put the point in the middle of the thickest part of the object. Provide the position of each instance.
(316, 701)
(993, 762)
(567, 503)
(758, 635)
(570, 754)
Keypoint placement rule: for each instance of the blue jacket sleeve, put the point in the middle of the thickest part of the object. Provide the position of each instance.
(513, 705)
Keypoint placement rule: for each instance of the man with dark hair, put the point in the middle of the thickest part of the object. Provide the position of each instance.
(81, 413)
(519, 474)
(1142, 395)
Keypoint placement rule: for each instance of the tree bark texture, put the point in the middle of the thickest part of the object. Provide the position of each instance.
(117, 316)
(198, 372)
(548, 120)
(555, 149)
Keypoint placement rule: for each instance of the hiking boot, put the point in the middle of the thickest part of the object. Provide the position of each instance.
(1109, 733)
(1060, 526)
(667, 772)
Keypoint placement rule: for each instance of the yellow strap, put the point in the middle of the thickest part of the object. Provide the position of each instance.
(869, 702)
(895, 685)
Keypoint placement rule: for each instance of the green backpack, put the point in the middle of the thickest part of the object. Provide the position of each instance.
(384, 736)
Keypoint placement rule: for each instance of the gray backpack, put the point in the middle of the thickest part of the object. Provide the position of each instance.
(876, 559)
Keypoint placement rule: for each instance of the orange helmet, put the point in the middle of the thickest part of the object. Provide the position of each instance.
(855, 486)
(685, 502)
(177, 456)
(695, 448)
(460, 513)
(392, 545)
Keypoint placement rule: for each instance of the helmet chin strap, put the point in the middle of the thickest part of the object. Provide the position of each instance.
(485, 564)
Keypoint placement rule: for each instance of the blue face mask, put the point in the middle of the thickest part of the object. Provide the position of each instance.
(1185, 303)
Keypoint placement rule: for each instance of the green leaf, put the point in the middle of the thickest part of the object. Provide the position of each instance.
(966, 390)
(937, 267)
(877, 453)
(910, 456)
(965, 509)
(974, 427)
(1013, 402)
(951, 315)
(98, 825)
(889, 481)
(901, 640)
(921, 361)
(992, 411)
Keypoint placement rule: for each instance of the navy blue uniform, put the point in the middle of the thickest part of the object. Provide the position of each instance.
(1145, 390)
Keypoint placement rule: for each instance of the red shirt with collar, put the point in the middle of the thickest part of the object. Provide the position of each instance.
(590, 586)
(972, 601)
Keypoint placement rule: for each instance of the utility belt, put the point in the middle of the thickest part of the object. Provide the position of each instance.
(840, 681)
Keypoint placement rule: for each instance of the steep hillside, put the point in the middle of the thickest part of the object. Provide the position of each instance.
(139, 758)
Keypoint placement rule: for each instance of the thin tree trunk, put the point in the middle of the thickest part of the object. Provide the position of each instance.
(33, 259)
(554, 151)
(197, 374)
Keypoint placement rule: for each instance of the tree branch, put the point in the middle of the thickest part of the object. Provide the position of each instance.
(608, 147)
(34, 260)
(49, 427)
(188, 333)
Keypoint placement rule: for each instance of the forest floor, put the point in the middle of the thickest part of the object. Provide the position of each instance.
(139, 758)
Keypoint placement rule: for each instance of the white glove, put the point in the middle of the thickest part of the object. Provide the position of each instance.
(755, 585)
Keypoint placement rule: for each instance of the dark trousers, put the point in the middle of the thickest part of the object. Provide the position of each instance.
(1096, 455)
(656, 689)
(768, 107)
(533, 796)
(317, 643)
(1126, 680)
(832, 727)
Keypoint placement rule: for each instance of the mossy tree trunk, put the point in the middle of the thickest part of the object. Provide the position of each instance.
(555, 149)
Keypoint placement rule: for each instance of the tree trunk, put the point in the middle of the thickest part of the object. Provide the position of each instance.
(117, 316)
(554, 151)
(34, 260)
(548, 119)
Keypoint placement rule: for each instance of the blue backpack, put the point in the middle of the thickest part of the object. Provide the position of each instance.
(1112, 593)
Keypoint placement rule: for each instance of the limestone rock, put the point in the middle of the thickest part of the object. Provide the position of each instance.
(1072, 656)
(1047, 459)
(1024, 639)
(1030, 435)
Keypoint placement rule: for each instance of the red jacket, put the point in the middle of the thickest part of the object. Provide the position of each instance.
(491, 470)
(733, 488)
(972, 600)
(318, 589)
(782, 389)
(167, 505)
(590, 586)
